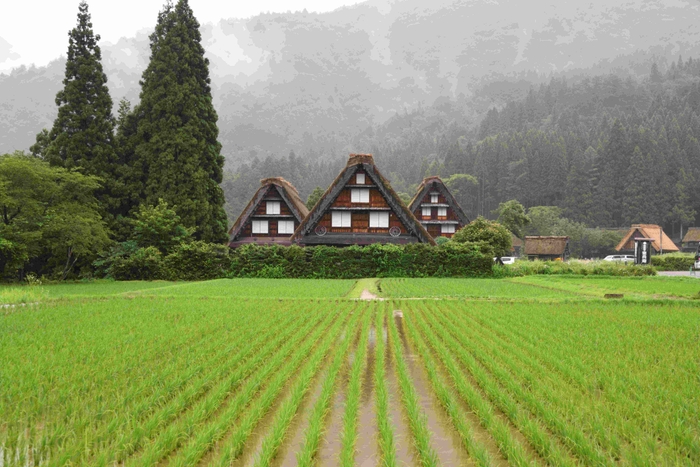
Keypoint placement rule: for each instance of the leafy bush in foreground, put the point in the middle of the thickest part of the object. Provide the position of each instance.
(673, 261)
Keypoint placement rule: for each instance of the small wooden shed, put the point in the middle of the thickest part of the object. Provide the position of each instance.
(548, 248)
(691, 239)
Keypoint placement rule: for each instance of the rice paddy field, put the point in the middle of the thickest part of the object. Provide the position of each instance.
(417, 372)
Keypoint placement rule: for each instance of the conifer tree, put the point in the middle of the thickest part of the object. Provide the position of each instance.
(83, 130)
(177, 149)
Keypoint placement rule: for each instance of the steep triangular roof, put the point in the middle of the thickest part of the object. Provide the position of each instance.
(435, 183)
(692, 235)
(286, 191)
(365, 162)
(653, 231)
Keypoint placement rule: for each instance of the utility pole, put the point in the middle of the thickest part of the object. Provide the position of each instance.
(661, 240)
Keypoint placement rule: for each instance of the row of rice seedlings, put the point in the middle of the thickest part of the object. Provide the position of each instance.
(177, 433)
(387, 449)
(624, 396)
(539, 439)
(416, 418)
(352, 402)
(314, 432)
(448, 401)
(129, 431)
(573, 437)
(54, 434)
(137, 434)
(234, 446)
(613, 435)
(289, 407)
(506, 442)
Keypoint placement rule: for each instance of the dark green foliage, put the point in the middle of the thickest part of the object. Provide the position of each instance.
(511, 215)
(490, 232)
(197, 260)
(82, 133)
(49, 220)
(314, 197)
(176, 146)
(378, 260)
(159, 226)
(576, 268)
(441, 240)
(140, 264)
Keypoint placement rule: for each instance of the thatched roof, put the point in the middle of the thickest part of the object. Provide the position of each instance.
(546, 246)
(287, 192)
(436, 183)
(692, 235)
(515, 241)
(652, 231)
(366, 162)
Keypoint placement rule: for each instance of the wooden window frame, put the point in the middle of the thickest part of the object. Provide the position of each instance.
(429, 211)
(286, 224)
(256, 227)
(360, 179)
(270, 204)
(434, 198)
(341, 219)
(376, 219)
(356, 195)
(448, 229)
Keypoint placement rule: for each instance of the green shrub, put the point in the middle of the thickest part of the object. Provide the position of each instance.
(490, 232)
(673, 261)
(573, 267)
(197, 261)
(142, 264)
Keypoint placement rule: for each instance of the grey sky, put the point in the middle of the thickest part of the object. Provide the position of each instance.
(36, 31)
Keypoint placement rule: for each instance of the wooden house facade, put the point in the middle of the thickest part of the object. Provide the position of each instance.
(271, 216)
(360, 208)
(547, 248)
(660, 241)
(691, 240)
(436, 209)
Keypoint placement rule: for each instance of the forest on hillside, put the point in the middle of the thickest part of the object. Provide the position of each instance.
(608, 151)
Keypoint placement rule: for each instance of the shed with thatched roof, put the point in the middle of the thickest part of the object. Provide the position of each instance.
(436, 209)
(691, 239)
(549, 247)
(360, 208)
(271, 216)
(660, 241)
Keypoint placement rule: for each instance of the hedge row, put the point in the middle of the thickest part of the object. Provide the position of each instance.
(200, 261)
(673, 261)
(572, 267)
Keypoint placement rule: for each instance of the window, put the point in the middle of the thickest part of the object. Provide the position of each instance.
(360, 179)
(442, 212)
(426, 211)
(379, 220)
(448, 228)
(434, 198)
(359, 195)
(273, 207)
(340, 219)
(260, 227)
(285, 227)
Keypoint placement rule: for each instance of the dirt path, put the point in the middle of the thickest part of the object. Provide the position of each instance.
(367, 295)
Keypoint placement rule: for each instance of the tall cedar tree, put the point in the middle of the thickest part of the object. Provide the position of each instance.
(177, 149)
(82, 133)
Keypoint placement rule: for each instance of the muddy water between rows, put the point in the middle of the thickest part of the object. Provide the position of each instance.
(444, 439)
(368, 432)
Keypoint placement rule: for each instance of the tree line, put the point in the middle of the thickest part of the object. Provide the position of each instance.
(93, 173)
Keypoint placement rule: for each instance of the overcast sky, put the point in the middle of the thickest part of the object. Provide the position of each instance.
(36, 31)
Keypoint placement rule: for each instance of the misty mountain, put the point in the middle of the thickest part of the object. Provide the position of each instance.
(297, 80)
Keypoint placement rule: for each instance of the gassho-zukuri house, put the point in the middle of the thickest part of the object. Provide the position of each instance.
(360, 208)
(436, 209)
(271, 216)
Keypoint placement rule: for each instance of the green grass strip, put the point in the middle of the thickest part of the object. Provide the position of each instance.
(348, 436)
(314, 432)
(416, 418)
(290, 406)
(257, 411)
(387, 450)
(449, 402)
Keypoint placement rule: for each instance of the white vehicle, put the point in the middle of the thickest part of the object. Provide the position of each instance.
(505, 259)
(620, 258)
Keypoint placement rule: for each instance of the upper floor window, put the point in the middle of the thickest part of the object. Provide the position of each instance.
(273, 207)
(359, 195)
(260, 227)
(360, 179)
(379, 219)
(341, 219)
(447, 228)
(426, 211)
(442, 212)
(434, 198)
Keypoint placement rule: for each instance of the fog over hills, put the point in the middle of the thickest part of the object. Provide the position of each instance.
(286, 81)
